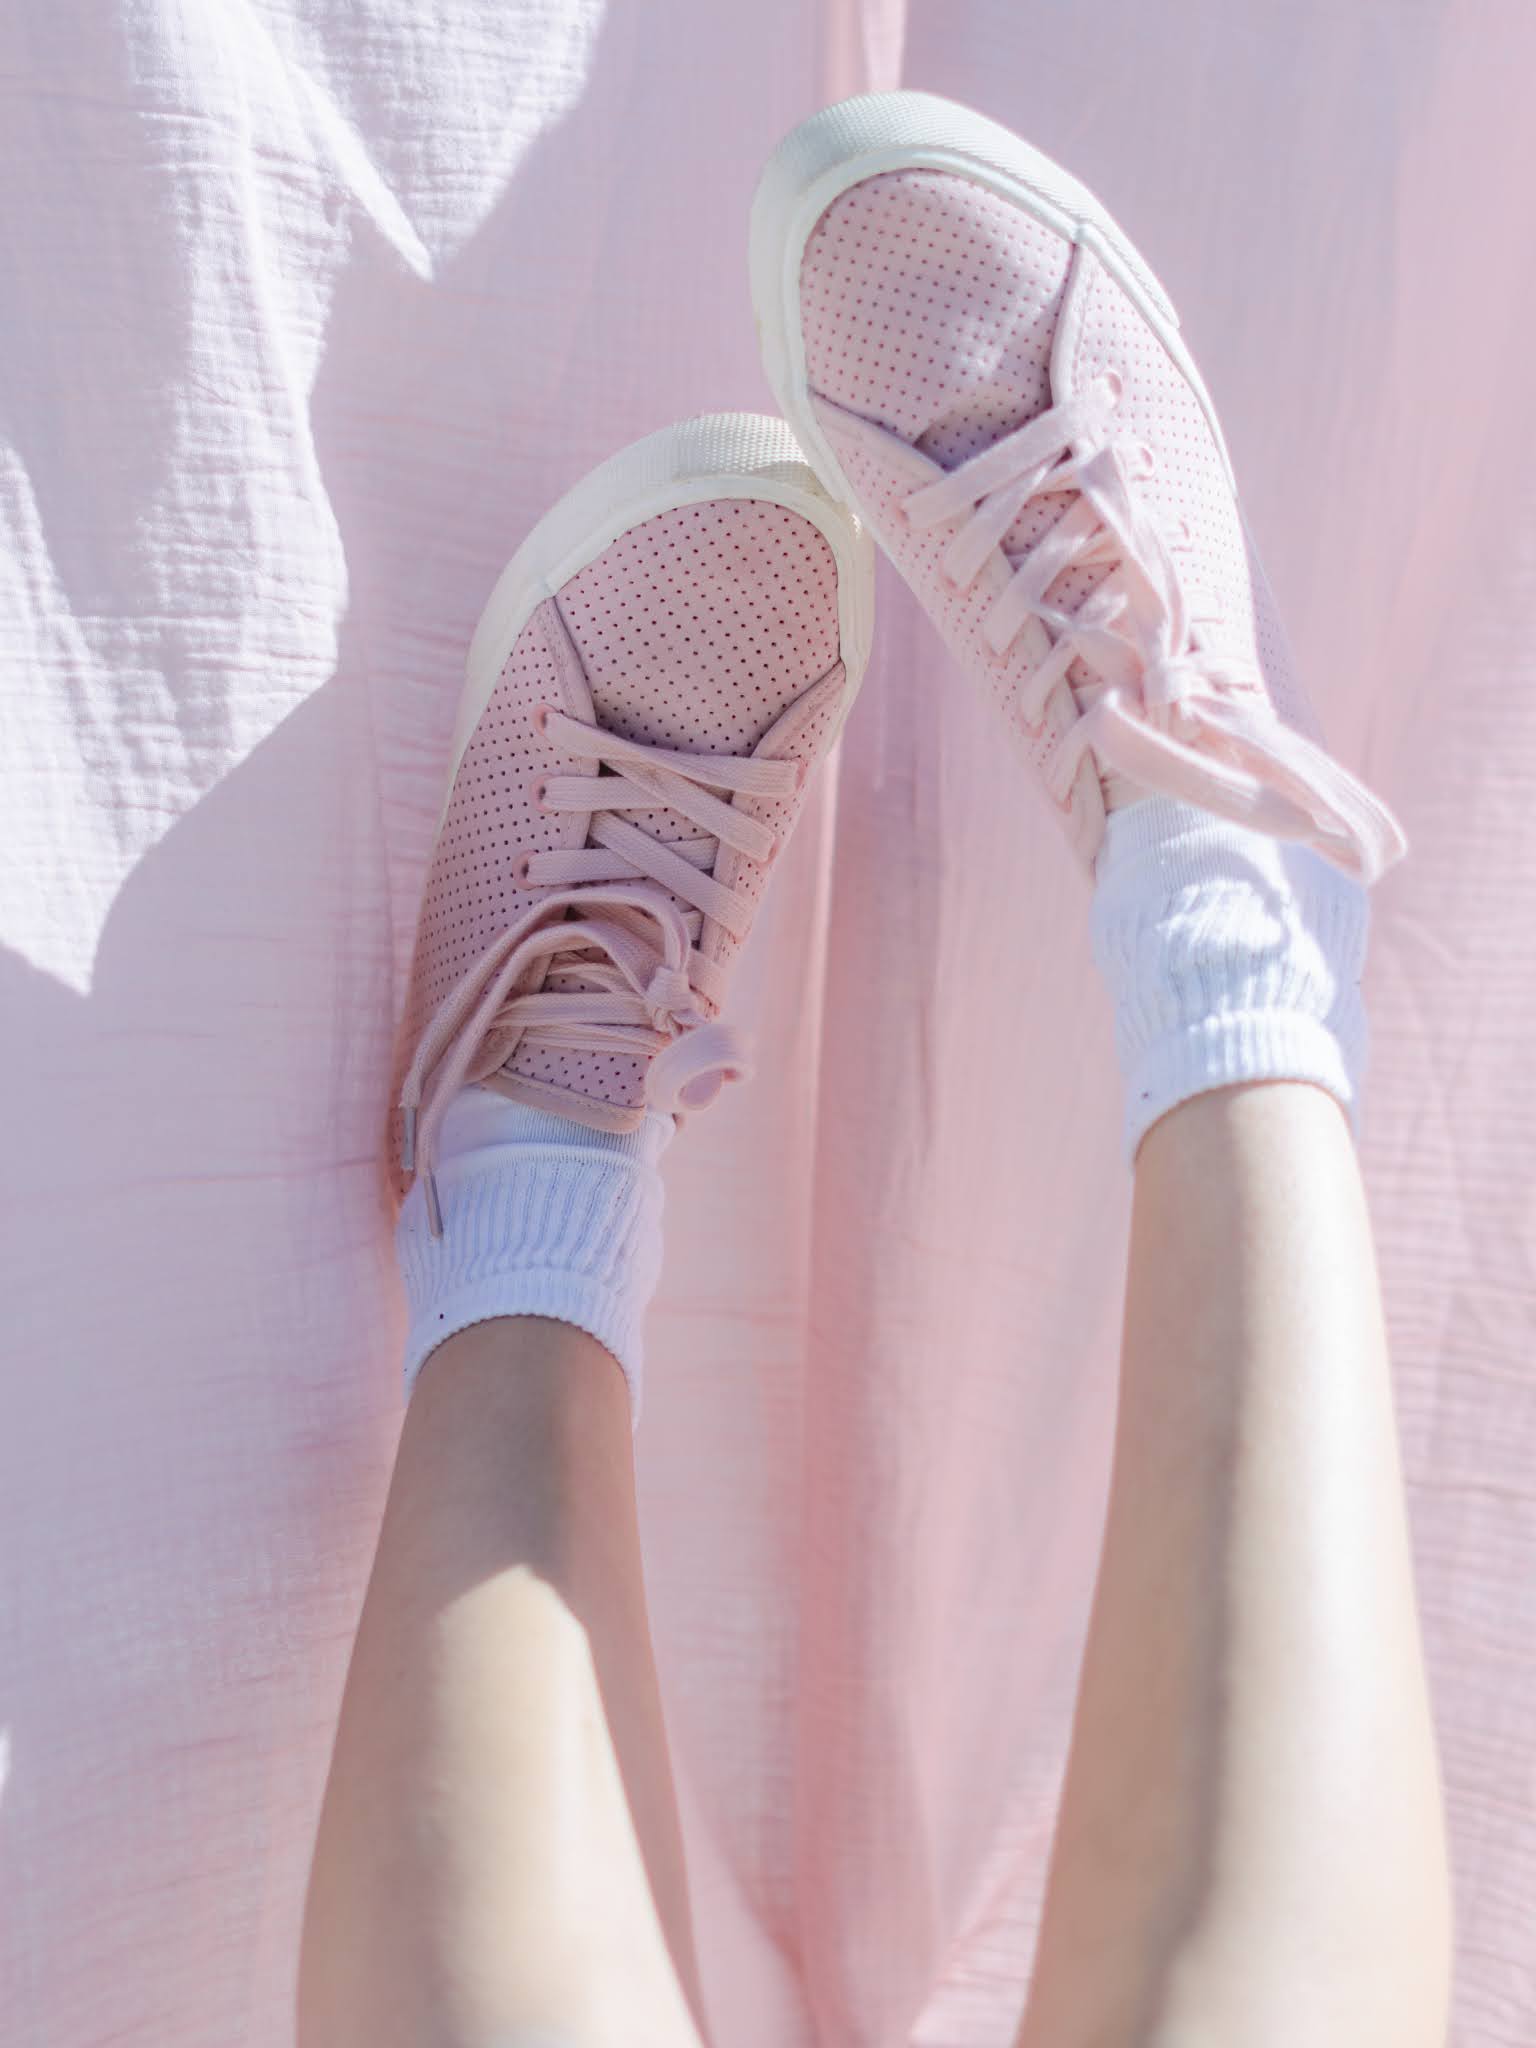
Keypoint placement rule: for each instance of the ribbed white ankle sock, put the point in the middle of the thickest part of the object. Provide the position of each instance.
(541, 1217)
(1229, 957)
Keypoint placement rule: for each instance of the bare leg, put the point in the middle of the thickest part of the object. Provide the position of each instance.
(499, 1859)
(1250, 1847)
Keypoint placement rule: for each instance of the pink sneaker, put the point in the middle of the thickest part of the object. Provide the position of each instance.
(972, 353)
(667, 655)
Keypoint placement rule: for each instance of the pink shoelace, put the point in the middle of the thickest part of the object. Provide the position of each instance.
(613, 907)
(1170, 716)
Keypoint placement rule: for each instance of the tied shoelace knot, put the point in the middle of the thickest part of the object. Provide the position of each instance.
(610, 922)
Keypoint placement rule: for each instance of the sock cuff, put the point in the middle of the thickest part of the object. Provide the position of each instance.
(1239, 1046)
(534, 1230)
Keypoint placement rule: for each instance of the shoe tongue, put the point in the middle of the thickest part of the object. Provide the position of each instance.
(692, 633)
(663, 824)
(615, 706)
(641, 691)
(984, 422)
(991, 415)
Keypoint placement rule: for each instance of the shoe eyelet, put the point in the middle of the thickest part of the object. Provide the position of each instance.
(520, 872)
(538, 790)
(541, 719)
(1116, 383)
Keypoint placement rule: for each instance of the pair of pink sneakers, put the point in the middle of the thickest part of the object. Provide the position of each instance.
(976, 366)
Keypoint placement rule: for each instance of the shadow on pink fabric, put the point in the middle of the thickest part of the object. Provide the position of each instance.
(314, 310)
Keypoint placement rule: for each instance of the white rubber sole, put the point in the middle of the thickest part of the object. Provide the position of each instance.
(717, 455)
(897, 131)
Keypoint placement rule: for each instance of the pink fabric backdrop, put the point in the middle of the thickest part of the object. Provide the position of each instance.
(314, 309)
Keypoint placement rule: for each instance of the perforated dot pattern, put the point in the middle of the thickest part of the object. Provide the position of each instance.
(930, 305)
(709, 628)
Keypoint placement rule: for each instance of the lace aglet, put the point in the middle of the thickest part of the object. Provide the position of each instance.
(434, 1207)
(408, 1143)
